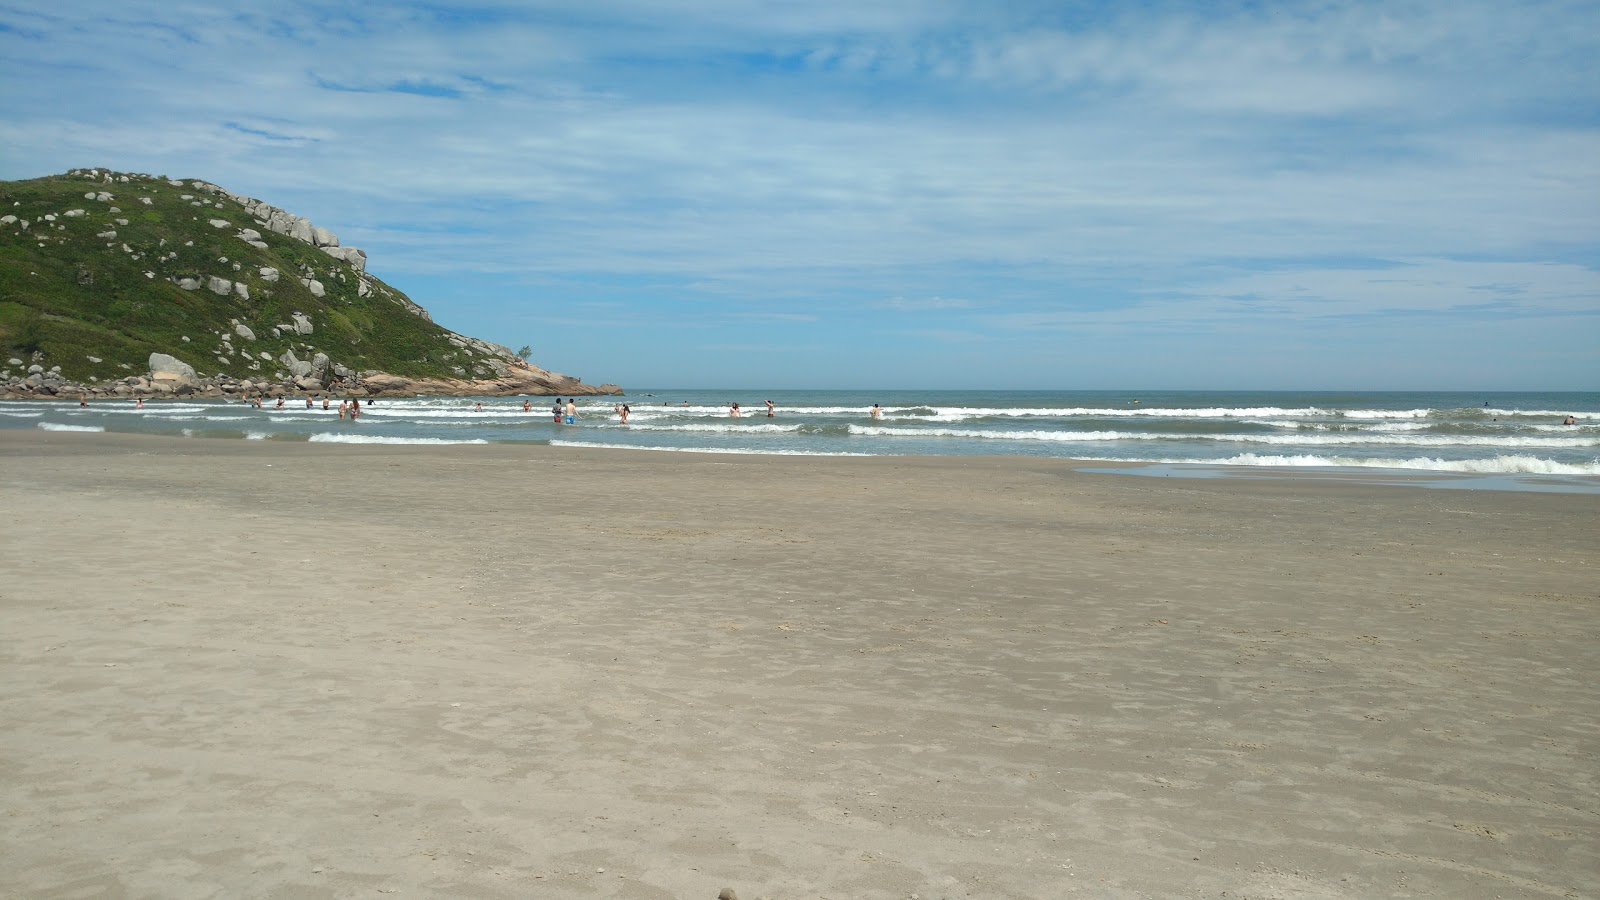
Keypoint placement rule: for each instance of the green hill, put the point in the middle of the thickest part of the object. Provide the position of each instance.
(100, 269)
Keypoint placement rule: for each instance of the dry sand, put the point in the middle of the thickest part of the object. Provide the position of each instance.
(264, 669)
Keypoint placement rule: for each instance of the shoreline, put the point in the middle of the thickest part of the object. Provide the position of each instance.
(1371, 475)
(257, 668)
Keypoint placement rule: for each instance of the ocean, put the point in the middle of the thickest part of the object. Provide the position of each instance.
(1481, 434)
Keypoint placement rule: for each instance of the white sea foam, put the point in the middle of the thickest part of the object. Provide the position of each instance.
(153, 409)
(256, 435)
(1394, 427)
(1558, 415)
(1499, 465)
(21, 415)
(1319, 439)
(1384, 413)
(997, 435)
(53, 426)
(598, 445)
(1349, 439)
(718, 428)
(962, 413)
(499, 412)
(379, 439)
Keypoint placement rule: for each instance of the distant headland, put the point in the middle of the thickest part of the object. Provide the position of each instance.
(118, 284)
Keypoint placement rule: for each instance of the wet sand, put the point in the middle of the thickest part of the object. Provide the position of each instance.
(273, 669)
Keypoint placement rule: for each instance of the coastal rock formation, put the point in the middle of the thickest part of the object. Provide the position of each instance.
(518, 379)
(169, 367)
(172, 377)
(223, 268)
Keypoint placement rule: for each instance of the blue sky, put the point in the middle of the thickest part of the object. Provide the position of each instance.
(701, 193)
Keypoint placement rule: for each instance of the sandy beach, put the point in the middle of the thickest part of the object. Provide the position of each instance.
(281, 669)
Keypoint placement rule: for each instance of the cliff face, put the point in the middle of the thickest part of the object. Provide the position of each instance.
(102, 272)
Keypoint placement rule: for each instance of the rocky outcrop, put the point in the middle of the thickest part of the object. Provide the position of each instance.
(172, 377)
(357, 259)
(165, 366)
(518, 379)
(259, 277)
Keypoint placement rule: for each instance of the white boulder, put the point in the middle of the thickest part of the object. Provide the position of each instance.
(168, 367)
(356, 258)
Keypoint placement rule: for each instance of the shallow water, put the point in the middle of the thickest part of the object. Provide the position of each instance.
(1482, 435)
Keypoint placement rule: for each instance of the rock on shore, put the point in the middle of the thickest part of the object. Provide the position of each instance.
(170, 377)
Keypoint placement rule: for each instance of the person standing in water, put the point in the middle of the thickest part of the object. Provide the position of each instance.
(555, 412)
(770, 411)
(572, 410)
(877, 412)
(624, 413)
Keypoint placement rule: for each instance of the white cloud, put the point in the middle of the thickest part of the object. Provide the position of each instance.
(1304, 296)
(924, 304)
(1059, 164)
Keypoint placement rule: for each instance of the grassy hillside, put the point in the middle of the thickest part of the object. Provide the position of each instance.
(92, 284)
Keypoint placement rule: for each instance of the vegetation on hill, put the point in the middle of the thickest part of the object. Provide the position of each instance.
(100, 269)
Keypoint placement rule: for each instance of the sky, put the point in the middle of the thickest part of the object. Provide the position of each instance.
(999, 194)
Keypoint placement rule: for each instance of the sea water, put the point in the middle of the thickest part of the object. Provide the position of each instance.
(1485, 434)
